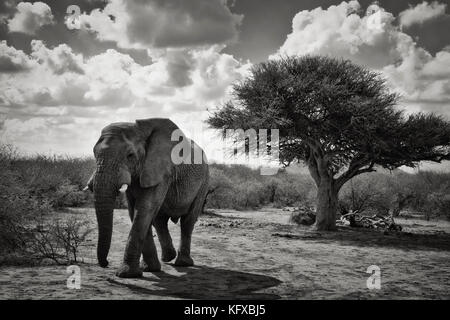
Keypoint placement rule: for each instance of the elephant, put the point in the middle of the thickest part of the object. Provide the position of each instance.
(136, 158)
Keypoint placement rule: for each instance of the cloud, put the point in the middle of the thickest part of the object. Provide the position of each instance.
(12, 60)
(375, 41)
(423, 80)
(422, 12)
(340, 31)
(72, 95)
(54, 95)
(163, 24)
(30, 17)
(60, 59)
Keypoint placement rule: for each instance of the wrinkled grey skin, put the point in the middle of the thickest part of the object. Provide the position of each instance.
(139, 155)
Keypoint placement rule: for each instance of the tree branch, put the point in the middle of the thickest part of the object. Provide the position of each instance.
(355, 168)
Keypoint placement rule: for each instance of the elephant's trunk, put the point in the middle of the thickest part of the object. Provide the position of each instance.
(104, 211)
(105, 193)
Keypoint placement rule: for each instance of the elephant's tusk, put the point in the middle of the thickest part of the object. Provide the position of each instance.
(86, 188)
(123, 188)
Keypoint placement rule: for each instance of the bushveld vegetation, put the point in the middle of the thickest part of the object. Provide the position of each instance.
(46, 183)
(33, 189)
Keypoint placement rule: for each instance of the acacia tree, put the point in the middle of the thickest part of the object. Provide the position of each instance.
(337, 117)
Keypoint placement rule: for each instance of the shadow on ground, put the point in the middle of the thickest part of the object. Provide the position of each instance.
(369, 238)
(201, 282)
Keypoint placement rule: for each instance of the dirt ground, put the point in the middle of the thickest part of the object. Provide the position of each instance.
(258, 255)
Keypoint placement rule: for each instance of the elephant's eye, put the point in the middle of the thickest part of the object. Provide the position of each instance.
(130, 156)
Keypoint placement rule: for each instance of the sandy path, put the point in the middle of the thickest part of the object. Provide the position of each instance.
(259, 255)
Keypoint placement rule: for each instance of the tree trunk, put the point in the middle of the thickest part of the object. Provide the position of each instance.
(326, 205)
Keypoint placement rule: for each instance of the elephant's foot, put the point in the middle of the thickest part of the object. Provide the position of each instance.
(168, 254)
(154, 266)
(184, 261)
(125, 271)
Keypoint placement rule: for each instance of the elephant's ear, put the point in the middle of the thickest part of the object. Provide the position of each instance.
(157, 165)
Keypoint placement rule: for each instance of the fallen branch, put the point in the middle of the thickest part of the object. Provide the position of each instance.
(353, 219)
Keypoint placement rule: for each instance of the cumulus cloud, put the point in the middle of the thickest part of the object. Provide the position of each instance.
(422, 12)
(12, 60)
(53, 94)
(70, 93)
(374, 40)
(423, 80)
(339, 30)
(30, 17)
(163, 24)
(60, 59)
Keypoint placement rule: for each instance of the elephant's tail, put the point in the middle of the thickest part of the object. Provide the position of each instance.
(175, 219)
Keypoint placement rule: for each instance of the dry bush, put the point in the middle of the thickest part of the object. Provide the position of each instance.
(59, 180)
(239, 187)
(303, 215)
(290, 190)
(41, 182)
(363, 196)
(437, 205)
(382, 193)
(17, 206)
(26, 234)
(59, 241)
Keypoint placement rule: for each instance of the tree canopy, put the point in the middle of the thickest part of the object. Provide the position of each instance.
(335, 110)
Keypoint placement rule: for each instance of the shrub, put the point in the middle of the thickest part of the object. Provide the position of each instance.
(40, 183)
(437, 205)
(240, 187)
(16, 213)
(303, 215)
(249, 194)
(29, 190)
(17, 206)
(366, 193)
(57, 179)
(290, 190)
(59, 241)
(425, 192)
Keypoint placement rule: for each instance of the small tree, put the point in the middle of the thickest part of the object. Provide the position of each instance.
(337, 117)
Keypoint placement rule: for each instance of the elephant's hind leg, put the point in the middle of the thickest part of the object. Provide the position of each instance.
(184, 252)
(168, 251)
(187, 226)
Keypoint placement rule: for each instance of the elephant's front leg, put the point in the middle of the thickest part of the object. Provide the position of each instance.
(150, 261)
(140, 239)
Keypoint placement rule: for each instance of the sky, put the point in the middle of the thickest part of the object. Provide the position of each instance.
(68, 68)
